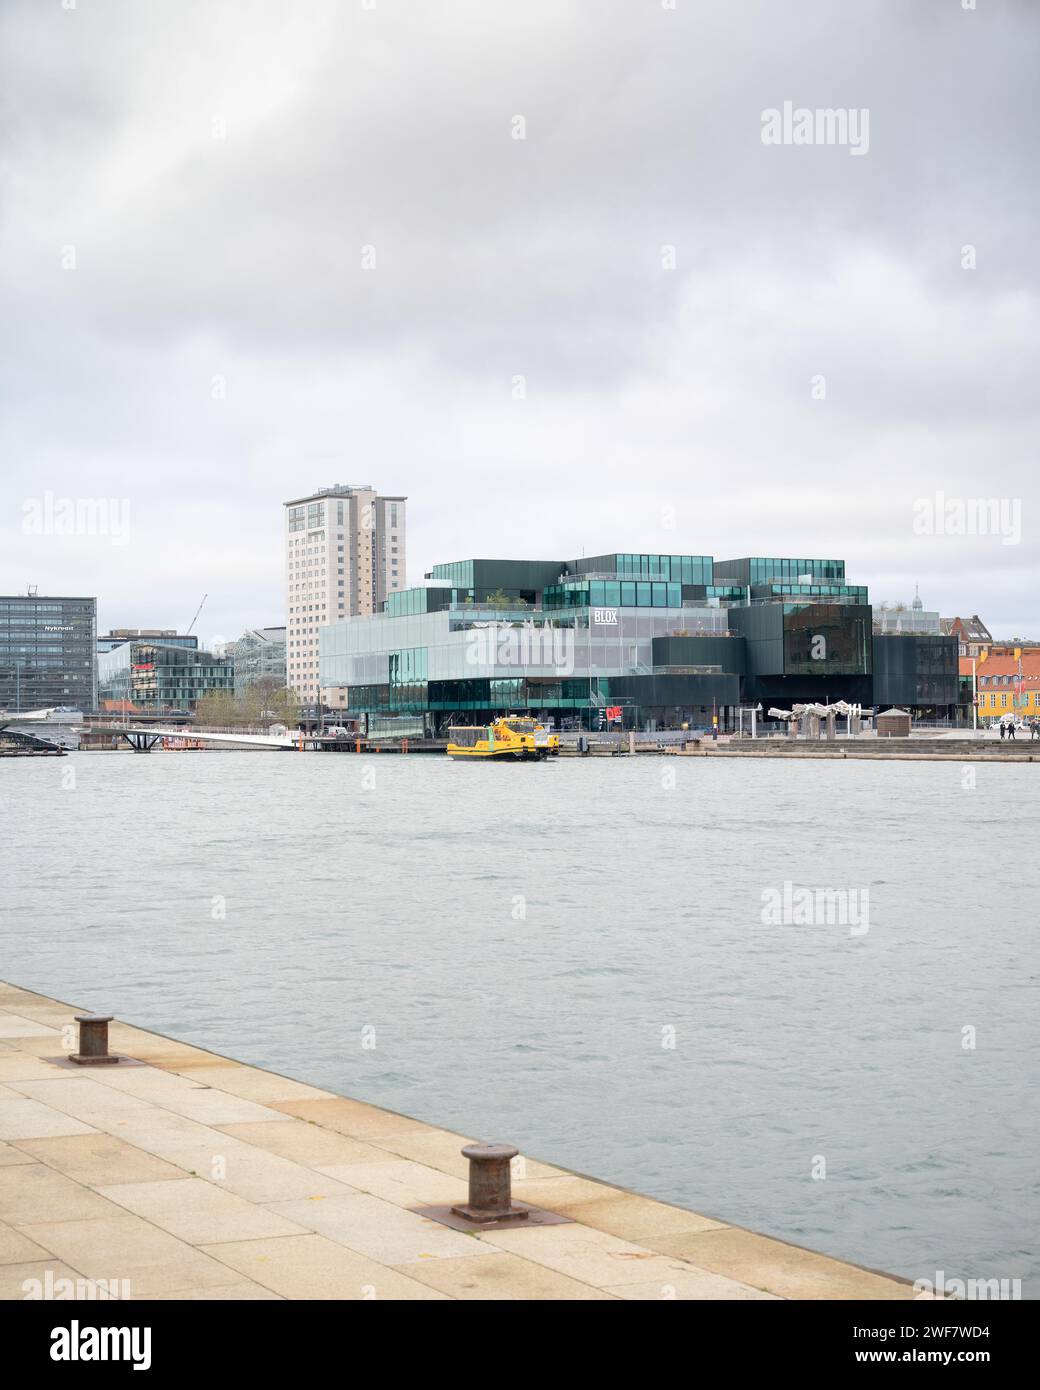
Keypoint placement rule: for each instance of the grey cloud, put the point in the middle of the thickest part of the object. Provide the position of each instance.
(241, 257)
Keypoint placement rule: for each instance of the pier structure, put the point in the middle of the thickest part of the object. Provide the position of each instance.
(175, 1173)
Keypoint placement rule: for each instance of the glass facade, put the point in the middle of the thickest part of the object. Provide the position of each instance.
(606, 593)
(150, 676)
(408, 678)
(259, 655)
(915, 670)
(408, 602)
(827, 639)
(851, 593)
(665, 636)
(680, 569)
(48, 653)
(459, 572)
(759, 569)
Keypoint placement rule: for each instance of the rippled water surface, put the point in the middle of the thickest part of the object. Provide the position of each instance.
(523, 940)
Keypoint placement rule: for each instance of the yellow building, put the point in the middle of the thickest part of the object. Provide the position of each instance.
(1007, 683)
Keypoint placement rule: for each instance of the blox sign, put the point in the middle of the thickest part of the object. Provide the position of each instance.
(604, 617)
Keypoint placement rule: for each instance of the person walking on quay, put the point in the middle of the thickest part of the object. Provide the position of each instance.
(1011, 730)
(1034, 730)
(1003, 729)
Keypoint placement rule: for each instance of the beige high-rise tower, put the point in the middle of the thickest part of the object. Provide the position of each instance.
(344, 552)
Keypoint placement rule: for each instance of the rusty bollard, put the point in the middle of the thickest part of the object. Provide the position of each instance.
(490, 1187)
(93, 1041)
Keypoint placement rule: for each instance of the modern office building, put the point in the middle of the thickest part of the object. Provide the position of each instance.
(259, 654)
(917, 671)
(169, 636)
(48, 652)
(657, 640)
(148, 676)
(344, 556)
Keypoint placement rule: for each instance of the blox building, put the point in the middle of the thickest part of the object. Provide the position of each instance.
(665, 639)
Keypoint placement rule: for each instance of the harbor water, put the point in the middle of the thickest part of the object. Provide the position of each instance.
(612, 963)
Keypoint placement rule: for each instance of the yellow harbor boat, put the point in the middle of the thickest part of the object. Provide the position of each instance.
(513, 738)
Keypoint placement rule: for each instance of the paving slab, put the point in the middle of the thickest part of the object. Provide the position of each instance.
(378, 1229)
(498, 1276)
(691, 1285)
(28, 1281)
(29, 1119)
(126, 1247)
(9, 1154)
(305, 1143)
(96, 1159)
(590, 1256)
(16, 1248)
(400, 1181)
(146, 1083)
(199, 1212)
(80, 1097)
(606, 1208)
(352, 1117)
(314, 1267)
(250, 1084)
(31, 1193)
(442, 1149)
(212, 1107)
(16, 1026)
(243, 1290)
(785, 1270)
(16, 1065)
(244, 1169)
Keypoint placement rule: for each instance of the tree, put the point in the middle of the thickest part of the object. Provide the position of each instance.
(216, 708)
(499, 599)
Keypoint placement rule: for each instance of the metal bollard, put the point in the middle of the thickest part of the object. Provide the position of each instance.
(490, 1187)
(93, 1041)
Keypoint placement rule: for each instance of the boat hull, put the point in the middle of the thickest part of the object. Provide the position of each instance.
(499, 755)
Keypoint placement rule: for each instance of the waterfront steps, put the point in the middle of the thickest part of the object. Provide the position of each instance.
(190, 1176)
(921, 749)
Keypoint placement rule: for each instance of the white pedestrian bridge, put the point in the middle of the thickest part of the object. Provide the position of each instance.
(143, 738)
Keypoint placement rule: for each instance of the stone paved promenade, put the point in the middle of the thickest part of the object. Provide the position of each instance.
(192, 1176)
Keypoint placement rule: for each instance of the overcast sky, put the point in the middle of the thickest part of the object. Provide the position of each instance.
(189, 326)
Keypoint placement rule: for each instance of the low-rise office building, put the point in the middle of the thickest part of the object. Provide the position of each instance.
(47, 652)
(640, 639)
(259, 654)
(152, 676)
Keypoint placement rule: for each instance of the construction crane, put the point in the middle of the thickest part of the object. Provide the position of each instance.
(197, 612)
